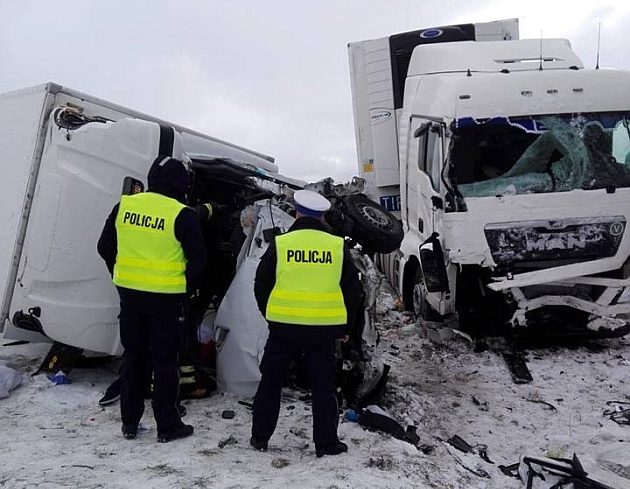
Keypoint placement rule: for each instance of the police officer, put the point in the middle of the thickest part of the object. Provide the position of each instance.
(153, 247)
(308, 289)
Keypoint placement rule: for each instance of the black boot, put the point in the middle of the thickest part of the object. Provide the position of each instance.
(181, 431)
(258, 443)
(335, 449)
(129, 431)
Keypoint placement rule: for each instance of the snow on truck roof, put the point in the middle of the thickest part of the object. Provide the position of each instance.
(492, 56)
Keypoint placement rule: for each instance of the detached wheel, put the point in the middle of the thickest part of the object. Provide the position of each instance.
(374, 228)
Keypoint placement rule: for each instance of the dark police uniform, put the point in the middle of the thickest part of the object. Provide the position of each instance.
(308, 289)
(153, 246)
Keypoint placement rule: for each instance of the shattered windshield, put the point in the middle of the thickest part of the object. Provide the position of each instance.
(539, 154)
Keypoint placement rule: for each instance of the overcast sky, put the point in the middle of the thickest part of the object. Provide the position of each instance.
(271, 75)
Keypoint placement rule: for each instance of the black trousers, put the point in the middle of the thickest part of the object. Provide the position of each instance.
(320, 363)
(151, 340)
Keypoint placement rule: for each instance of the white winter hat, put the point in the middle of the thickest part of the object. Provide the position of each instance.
(310, 203)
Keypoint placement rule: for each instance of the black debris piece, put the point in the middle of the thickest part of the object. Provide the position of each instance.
(426, 449)
(510, 470)
(459, 443)
(230, 440)
(518, 368)
(618, 411)
(228, 414)
(540, 401)
(373, 417)
(483, 406)
(483, 453)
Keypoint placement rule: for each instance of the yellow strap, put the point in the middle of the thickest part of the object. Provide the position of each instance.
(310, 296)
(151, 264)
(153, 279)
(306, 312)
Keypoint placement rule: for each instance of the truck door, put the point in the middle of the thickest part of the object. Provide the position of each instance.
(424, 164)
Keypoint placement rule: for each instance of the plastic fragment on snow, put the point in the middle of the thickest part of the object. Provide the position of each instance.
(351, 415)
(59, 378)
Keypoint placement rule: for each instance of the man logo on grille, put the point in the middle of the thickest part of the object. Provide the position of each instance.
(616, 228)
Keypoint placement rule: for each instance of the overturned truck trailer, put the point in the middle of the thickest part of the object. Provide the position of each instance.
(65, 157)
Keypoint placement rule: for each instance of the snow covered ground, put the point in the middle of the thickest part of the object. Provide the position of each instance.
(57, 436)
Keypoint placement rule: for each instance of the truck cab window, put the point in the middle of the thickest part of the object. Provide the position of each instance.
(621, 142)
(432, 165)
(422, 151)
(541, 154)
(429, 153)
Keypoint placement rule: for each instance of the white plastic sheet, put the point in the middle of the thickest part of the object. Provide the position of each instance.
(9, 380)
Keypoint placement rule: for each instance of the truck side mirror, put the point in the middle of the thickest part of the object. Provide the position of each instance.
(433, 268)
(437, 202)
(132, 186)
(421, 130)
(426, 127)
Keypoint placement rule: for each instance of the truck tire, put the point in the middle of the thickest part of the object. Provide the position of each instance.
(375, 229)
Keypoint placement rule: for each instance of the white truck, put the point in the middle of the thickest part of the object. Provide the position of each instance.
(509, 164)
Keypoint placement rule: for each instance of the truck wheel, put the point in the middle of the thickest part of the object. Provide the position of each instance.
(421, 307)
(374, 228)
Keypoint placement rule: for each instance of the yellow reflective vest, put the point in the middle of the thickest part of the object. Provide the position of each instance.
(149, 258)
(308, 272)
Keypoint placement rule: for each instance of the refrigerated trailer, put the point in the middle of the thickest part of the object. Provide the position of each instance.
(64, 156)
(378, 71)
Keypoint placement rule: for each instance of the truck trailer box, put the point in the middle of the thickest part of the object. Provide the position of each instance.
(378, 71)
(64, 157)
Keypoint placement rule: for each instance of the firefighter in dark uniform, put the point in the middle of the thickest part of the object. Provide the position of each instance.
(308, 290)
(153, 247)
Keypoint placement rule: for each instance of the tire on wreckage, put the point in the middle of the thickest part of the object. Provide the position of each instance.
(374, 228)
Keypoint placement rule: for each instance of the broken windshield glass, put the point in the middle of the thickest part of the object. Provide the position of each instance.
(538, 154)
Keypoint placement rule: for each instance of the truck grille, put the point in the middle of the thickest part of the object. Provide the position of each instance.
(574, 239)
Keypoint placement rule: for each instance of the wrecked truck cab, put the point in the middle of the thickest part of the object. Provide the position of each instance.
(240, 330)
(252, 208)
(514, 157)
(544, 201)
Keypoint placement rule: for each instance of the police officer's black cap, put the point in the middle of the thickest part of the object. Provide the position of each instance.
(169, 171)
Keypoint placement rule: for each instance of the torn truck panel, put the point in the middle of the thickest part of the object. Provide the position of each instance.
(242, 327)
(242, 331)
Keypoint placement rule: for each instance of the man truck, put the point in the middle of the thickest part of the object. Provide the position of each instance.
(508, 164)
